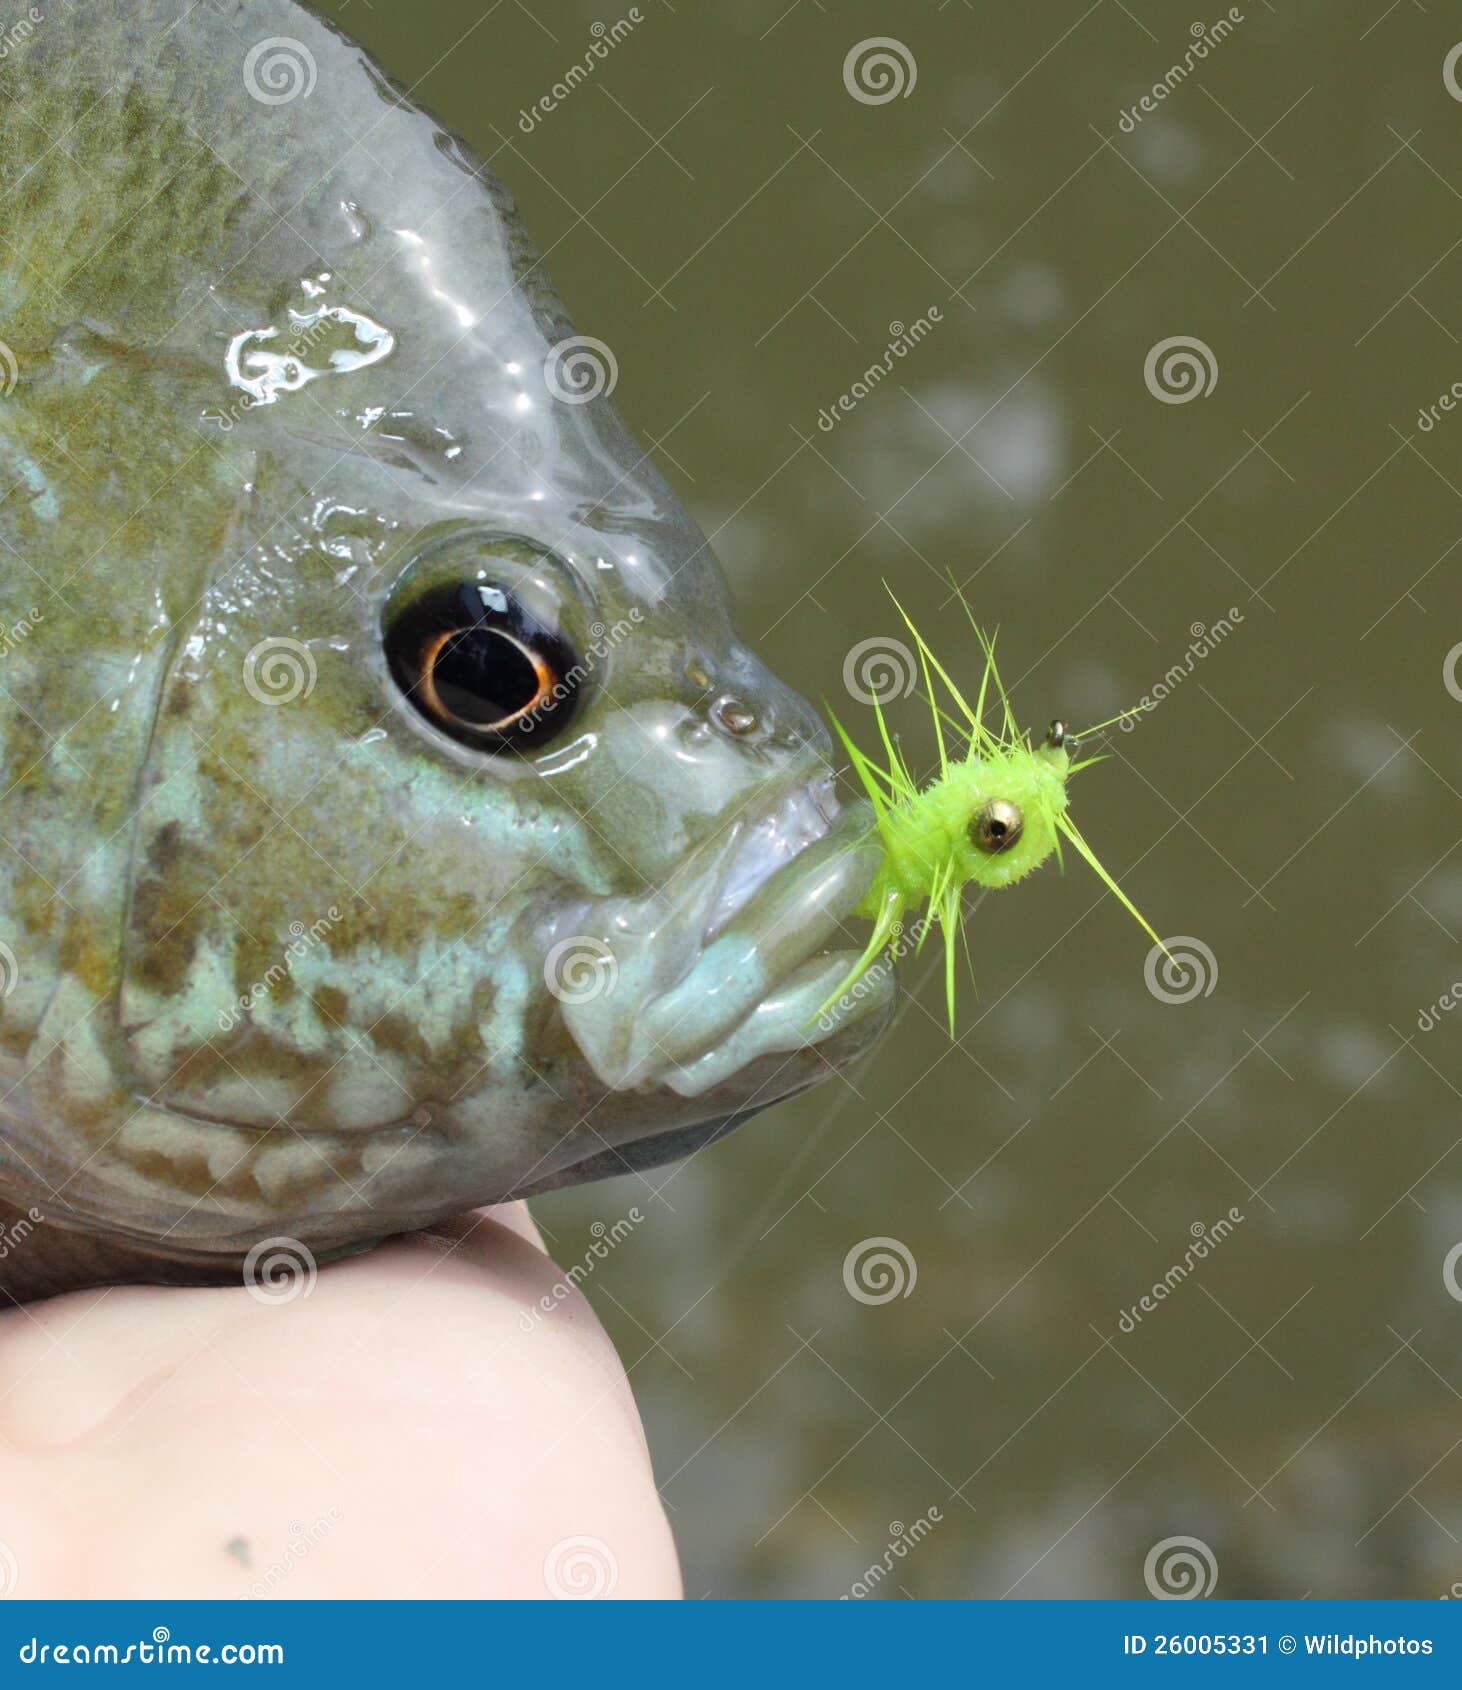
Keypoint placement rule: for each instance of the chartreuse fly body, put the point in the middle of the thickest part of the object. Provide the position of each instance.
(990, 817)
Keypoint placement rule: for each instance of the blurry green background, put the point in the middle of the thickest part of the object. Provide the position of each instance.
(743, 232)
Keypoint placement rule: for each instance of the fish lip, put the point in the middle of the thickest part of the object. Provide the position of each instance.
(852, 823)
(770, 843)
(744, 967)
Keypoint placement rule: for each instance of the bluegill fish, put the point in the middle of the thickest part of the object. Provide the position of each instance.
(393, 820)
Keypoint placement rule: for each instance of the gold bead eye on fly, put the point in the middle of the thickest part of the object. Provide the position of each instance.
(480, 666)
(997, 826)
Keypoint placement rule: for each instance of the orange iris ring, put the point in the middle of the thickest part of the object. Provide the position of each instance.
(427, 687)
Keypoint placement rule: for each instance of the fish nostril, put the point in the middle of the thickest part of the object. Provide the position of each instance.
(736, 718)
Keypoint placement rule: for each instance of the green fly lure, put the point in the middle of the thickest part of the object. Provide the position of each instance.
(991, 815)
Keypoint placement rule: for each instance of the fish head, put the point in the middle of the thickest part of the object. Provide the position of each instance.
(469, 851)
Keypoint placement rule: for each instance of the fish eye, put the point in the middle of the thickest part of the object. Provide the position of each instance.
(479, 665)
(997, 825)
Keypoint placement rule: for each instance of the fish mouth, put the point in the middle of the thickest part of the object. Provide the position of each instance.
(736, 959)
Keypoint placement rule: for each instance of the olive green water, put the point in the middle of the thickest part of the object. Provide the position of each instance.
(743, 233)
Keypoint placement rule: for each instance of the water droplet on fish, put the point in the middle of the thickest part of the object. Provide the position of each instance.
(265, 374)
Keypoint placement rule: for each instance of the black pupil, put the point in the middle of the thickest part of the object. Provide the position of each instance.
(484, 677)
(997, 830)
